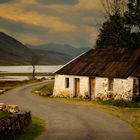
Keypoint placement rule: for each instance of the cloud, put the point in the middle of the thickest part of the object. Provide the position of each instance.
(54, 2)
(67, 15)
(21, 27)
(44, 21)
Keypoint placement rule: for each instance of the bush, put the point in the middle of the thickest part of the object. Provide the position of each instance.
(120, 103)
(46, 90)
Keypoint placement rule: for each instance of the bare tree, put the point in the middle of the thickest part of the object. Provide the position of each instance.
(34, 61)
(111, 7)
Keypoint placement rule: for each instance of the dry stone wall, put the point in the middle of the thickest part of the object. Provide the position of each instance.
(13, 124)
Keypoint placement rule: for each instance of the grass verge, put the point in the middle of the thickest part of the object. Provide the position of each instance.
(4, 114)
(45, 90)
(36, 128)
(7, 85)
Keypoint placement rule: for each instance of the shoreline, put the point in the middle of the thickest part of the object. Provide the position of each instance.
(27, 74)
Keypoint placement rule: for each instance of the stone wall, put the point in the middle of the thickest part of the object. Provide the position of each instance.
(13, 124)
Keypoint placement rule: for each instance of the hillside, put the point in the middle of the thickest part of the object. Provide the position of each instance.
(50, 57)
(13, 52)
(61, 48)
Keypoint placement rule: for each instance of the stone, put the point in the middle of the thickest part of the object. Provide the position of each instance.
(2, 106)
(13, 108)
(2, 91)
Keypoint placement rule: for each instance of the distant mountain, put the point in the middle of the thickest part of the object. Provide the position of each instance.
(61, 48)
(50, 57)
(13, 52)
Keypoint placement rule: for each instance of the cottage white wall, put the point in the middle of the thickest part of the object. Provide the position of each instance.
(59, 86)
(60, 89)
(123, 88)
(84, 86)
(101, 86)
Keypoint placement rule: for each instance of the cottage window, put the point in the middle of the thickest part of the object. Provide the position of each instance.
(110, 84)
(67, 83)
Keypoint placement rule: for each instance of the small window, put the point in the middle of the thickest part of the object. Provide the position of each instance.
(110, 84)
(67, 83)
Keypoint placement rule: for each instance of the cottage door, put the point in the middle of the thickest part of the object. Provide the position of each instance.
(92, 88)
(77, 87)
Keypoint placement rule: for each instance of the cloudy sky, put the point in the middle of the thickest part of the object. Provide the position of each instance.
(74, 22)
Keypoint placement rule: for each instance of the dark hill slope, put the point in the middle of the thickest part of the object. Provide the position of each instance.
(12, 52)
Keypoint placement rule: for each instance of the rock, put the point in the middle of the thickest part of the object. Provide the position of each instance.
(2, 106)
(13, 108)
(2, 91)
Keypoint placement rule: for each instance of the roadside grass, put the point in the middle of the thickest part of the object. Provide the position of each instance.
(4, 114)
(120, 103)
(7, 85)
(126, 111)
(45, 90)
(36, 128)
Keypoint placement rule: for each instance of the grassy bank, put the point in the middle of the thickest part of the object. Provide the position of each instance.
(45, 90)
(3, 114)
(36, 128)
(130, 114)
(7, 85)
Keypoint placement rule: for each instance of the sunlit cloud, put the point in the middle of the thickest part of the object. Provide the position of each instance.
(74, 22)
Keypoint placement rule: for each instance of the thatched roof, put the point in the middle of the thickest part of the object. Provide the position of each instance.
(106, 62)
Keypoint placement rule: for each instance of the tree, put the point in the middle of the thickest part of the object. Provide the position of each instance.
(132, 15)
(113, 32)
(132, 20)
(34, 61)
(111, 7)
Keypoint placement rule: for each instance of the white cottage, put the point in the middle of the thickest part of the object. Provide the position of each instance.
(101, 73)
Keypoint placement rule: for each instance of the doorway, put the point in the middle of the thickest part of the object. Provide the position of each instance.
(77, 87)
(92, 87)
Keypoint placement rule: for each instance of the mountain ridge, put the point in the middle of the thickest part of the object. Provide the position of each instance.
(13, 52)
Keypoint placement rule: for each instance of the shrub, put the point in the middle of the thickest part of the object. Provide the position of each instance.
(119, 103)
(46, 90)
